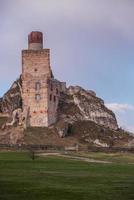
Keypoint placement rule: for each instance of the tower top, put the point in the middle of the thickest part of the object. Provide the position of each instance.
(35, 40)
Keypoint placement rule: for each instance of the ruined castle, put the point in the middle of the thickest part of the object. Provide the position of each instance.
(40, 90)
(37, 99)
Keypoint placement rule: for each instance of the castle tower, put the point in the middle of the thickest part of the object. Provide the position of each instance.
(35, 41)
(40, 91)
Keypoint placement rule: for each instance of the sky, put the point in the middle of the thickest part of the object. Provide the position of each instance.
(91, 42)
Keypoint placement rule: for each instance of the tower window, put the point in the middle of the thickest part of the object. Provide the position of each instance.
(54, 98)
(37, 97)
(50, 97)
(51, 87)
(37, 86)
(35, 70)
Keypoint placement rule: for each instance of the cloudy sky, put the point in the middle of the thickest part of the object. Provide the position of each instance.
(91, 41)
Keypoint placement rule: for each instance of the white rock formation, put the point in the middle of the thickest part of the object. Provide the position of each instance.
(79, 104)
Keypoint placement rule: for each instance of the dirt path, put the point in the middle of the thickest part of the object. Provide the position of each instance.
(74, 157)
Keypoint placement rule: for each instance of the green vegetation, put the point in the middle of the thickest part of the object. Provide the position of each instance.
(125, 157)
(53, 178)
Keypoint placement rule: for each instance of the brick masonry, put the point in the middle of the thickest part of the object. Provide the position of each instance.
(40, 91)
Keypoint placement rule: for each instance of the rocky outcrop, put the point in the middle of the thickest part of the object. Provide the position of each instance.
(63, 128)
(93, 134)
(85, 134)
(78, 104)
(82, 117)
(12, 98)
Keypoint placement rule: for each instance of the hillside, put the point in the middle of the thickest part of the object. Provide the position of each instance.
(82, 133)
(82, 119)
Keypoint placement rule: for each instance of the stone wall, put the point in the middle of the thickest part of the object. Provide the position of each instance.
(40, 91)
(35, 73)
(55, 89)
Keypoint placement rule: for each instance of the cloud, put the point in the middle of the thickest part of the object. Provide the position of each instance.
(116, 107)
(124, 114)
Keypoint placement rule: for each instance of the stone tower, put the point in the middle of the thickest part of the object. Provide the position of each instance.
(40, 91)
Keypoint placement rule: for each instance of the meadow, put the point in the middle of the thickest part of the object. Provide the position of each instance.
(56, 178)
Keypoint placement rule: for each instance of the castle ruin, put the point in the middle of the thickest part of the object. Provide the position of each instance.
(40, 90)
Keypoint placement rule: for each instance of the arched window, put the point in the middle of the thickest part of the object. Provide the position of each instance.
(37, 86)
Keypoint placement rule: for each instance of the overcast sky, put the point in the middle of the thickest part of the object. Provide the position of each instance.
(91, 42)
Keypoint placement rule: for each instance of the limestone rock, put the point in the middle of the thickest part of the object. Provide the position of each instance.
(12, 98)
(79, 104)
(62, 128)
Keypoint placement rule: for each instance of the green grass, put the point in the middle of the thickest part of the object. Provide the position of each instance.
(53, 178)
(125, 157)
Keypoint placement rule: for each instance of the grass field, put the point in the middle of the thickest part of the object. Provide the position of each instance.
(53, 178)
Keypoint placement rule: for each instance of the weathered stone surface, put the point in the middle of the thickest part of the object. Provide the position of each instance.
(40, 91)
(78, 104)
(75, 104)
(12, 98)
(17, 117)
(63, 128)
